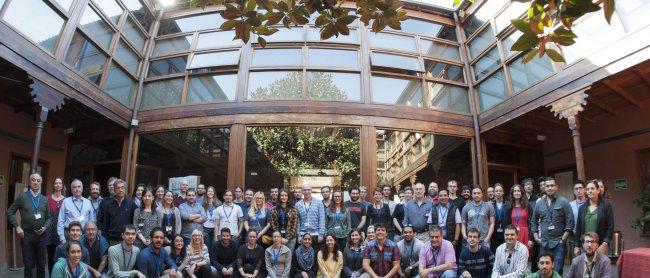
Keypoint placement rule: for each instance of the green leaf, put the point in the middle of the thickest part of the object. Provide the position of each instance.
(525, 42)
(266, 4)
(608, 8)
(347, 20)
(250, 6)
(327, 32)
(261, 41)
(554, 55)
(522, 25)
(321, 20)
(274, 18)
(229, 24)
(457, 2)
(530, 55)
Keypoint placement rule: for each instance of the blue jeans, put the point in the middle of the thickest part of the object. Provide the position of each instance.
(33, 248)
(558, 256)
(449, 273)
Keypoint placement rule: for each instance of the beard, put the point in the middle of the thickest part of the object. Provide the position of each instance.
(355, 198)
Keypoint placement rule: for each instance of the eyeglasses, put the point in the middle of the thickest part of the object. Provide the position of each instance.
(509, 257)
(589, 241)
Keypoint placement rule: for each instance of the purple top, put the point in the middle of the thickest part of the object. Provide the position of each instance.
(430, 258)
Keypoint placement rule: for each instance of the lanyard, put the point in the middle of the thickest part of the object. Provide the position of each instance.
(409, 254)
(126, 264)
(168, 218)
(77, 271)
(256, 218)
(283, 217)
(550, 211)
(478, 214)
(307, 209)
(337, 217)
(590, 269)
(499, 212)
(443, 217)
(434, 254)
(211, 211)
(276, 255)
(79, 209)
(93, 206)
(228, 214)
(378, 211)
(355, 257)
(158, 262)
(36, 201)
(518, 215)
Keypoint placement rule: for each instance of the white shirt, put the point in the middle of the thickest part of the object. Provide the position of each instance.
(229, 217)
(72, 209)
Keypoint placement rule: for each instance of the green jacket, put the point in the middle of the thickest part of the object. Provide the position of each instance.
(28, 213)
(61, 270)
(538, 274)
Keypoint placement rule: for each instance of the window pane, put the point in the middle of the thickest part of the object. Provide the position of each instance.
(333, 86)
(275, 85)
(127, 58)
(525, 75)
(313, 35)
(487, 63)
(214, 88)
(391, 41)
(111, 9)
(441, 50)
(481, 42)
(167, 66)
(445, 71)
(634, 13)
(86, 58)
(395, 61)
(162, 93)
(593, 33)
(294, 34)
(134, 34)
(190, 23)
(428, 29)
(120, 85)
(396, 91)
(168, 46)
(509, 41)
(43, 26)
(217, 39)
(215, 59)
(483, 14)
(515, 10)
(492, 91)
(140, 12)
(65, 4)
(277, 57)
(447, 97)
(96, 27)
(334, 58)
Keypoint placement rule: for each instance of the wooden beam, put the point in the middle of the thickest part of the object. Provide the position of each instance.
(644, 77)
(622, 92)
(553, 121)
(601, 105)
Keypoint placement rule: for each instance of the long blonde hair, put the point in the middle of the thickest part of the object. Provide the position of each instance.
(190, 248)
(253, 209)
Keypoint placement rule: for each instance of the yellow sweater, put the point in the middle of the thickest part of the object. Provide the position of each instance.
(330, 268)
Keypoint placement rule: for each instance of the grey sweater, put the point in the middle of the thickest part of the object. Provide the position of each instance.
(28, 213)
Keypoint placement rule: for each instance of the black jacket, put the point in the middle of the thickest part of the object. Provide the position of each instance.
(605, 227)
(112, 217)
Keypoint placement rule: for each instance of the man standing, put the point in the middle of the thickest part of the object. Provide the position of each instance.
(122, 257)
(357, 210)
(34, 218)
(546, 266)
(479, 215)
(178, 200)
(224, 254)
(75, 234)
(552, 216)
(437, 257)
(433, 192)
(96, 245)
(511, 256)
(490, 193)
(409, 249)
(326, 192)
(274, 198)
(297, 196)
(154, 261)
(363, 194)
(311, 217)
(417, 211)
(200, 191)
(529, 188)
(447, 216)
(454, 198)
(110, 184)
(95, 199)
(74, 208)
(192, 215)
(114, 213)
(381, 257)
(387, 191)
(229, 216)
(580, 198)
(590, 263)
(248, 201)
(477, 260)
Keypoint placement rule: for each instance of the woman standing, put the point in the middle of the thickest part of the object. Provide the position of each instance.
(145, 218)
(210, 205)
(330, 259)
(353, 256)
(304, 259)
(137, 198)
(160, 195)
(171, 217)
(378, 212)
(370, 235)
(284, 218)
(520, 215)
(250, 257)
(257, 217)
(278, 258)
(337, 219)
(198, 257)
(178, 252)
(54, 205)
(597, 216)
(72, 267)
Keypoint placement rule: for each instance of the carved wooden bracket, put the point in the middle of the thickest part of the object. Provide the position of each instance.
(413, 179)
(46, 96)
(568, 107)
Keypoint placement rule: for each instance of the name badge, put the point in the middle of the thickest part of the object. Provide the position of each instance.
(37, 216)
(499, 230)
(168, 228)
(81, 218)
(283, 231)
(337, 227)
(517, 228)
(141, 225)
(552, 227)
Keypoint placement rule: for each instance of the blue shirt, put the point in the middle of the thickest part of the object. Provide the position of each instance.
(80, 210)
(188, 226)
(311, 218)
(152, 264)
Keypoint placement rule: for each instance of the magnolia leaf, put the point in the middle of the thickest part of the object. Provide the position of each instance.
(250, 6)
(327, 32)
(229, 24)
(261, 41)
(347, 20)
(342, 28)
(266, 4)
(321, 20)
(530, 55)
(608, 8)
(274, 18)
(525, 42)
(522, 25)
(457, 2)
(554, 55)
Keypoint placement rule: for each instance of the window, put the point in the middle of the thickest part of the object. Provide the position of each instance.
(481, 42)
(268, 57)
(395, 61)
(436, 69)
(126, 57)
(428, 29)
(313, 35)
(525, 75)
(509, 41)
(333, 86)
(172, 45)
(487, 63)
(134, 34)
(492, 91)
(482, 15)
(212, 88)
(214, 59)
(514, 10)
(140, 12)
(448, 98)
(162, 93)
(220, 39)
(275, 85)
(436, 49)
(95, 27)
(167, 66)
(120, 85)
(593, 33)
(634, 13)
(84, 57)
(334, 58)
(190, 24)
(396, 91)
(43, 26)
(111, 9)
(392, 42)
(65, 4)
(294, 34)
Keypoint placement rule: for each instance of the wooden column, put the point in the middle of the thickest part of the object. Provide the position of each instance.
(367, 136)
(42, 117)
(237, 156)
(568, 108)
(49, 100)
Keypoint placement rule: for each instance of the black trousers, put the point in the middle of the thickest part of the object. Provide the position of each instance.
(33, 246)
(51, 248)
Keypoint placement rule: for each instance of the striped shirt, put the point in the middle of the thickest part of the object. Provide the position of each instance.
(311, 217)
(511, 262)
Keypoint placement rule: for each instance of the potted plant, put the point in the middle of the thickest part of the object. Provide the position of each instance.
(642, 223)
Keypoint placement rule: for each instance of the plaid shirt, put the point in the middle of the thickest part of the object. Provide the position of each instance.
(382, 260)
(311, 218)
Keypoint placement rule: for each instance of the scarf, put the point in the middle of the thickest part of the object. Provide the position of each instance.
(305, 257)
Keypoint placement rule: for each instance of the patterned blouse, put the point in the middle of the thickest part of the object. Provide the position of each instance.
(285, 220)
(197, 257)
(145, 221)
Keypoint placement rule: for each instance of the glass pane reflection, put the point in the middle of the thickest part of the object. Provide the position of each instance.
(395, 61)
(333, 86)
(336, 58)
(127, 58)
(391, 41)
(291, 57)
(437, 49)
(428, 29)
(525, 75)
(190, 23)
(162, 93)
(481, 42)
(134, 34)
(487, 63)
(213, 88)
(111, 9)
(120, 85)
(43, 26)
(215, 59)
(140, 12)
(313, 35)
(396, 91)
(96, 27)
(492, 90)
(86, 58)
(168, 46)
(217, 40)
(436, 69)
(65, 4)
(294, 34)
(275, 85)
(167, 66)
(447, 97)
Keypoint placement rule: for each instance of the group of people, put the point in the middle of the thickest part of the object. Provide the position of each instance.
(430, 232)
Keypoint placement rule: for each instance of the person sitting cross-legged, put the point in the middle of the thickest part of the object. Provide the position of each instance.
(122, 256)
(153, 261)
(511, 256)
(437, 257)
(224, 255)
(476, 260)
(591, 263)
(545, 265)
(71, 266)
